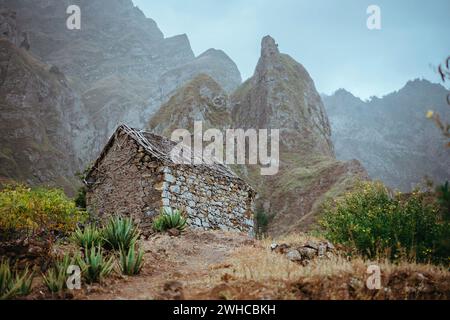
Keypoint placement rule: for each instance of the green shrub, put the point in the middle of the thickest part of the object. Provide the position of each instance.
(90, 236)
(443, 198)
(94, 266)
(80, 199)
(169, 219)
(261, 222)
(14, 283)
(28, 210)
(120, 233)
(378, 224)
(55, 278)
(131, 261)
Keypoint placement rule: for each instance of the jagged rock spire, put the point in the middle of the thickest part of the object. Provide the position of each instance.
(269, 47)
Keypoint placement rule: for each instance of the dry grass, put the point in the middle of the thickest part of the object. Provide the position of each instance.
(219, 265)
(255, 272)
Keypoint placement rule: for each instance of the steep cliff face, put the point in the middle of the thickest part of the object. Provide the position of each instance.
(391, 136)
(280, 95)
(119, 68)
(8, 26)
(213, 62)
(119, 61)
(39, 131)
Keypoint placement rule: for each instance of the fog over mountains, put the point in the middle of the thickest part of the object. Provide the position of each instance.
(63, 93)
(391, 135)
(119, 69)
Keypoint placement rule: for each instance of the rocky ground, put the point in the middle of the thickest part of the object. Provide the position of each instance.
(218, 265)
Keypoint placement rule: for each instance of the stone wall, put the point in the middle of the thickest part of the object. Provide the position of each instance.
(211, 202)
(130, 182)
(121, 185)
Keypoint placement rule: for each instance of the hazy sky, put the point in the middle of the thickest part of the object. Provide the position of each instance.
(329, 37)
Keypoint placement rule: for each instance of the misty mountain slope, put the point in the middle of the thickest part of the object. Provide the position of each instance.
(116, 69)
(281, 95)
(119, 61)
(201, 99)
(214, 63)
(391, 136)
(38, 132)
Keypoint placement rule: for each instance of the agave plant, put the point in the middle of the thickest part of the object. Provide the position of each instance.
(14, 283)
(131, 261)
(55, 277)
(94, 266)
(90, 236)
(169, 219)
(24, 281)
(54, 280)
(120, 233)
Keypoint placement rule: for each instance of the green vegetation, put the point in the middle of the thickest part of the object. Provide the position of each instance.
(169, 219)
(378, 224)
(54, 280)
(261, 222)
(443, 198)
(14, 283)
(94, 266)
(131, 262)
(80, 199)
(33, 210)
(55, 277)
(120, 233)
(90, 236)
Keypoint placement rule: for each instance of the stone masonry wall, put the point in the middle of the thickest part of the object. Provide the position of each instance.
(130, 182)
(122, 185)
(211, 202)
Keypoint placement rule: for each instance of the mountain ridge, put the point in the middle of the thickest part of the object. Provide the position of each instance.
(280, 95)
(391, 135)
(118, 66)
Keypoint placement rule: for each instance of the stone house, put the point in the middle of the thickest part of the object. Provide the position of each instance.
(135, 176)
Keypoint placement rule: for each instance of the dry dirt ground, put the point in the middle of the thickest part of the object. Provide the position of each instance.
(176, 267)
(203, 265)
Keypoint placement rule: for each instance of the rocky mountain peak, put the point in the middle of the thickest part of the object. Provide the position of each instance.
(269, 47)
(201, 99)
(281, 95)
(8, 26)
(344, 93)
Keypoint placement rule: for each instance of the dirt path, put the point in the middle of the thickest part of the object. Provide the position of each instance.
(175, 268)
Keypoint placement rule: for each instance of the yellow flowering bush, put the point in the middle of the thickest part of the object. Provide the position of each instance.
(377, 223)
(37, 210)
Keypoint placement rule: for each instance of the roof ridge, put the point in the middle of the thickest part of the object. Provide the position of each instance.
(155, 150)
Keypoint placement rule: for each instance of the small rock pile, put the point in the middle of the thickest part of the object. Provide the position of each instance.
(303, 254)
